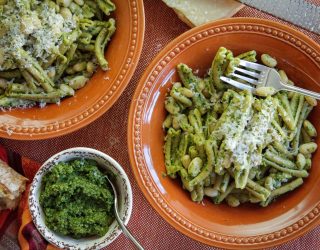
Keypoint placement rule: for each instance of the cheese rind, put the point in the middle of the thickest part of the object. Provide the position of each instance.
(195, 13)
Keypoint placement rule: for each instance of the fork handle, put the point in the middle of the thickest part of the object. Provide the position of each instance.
(301, 91)
(128, 234)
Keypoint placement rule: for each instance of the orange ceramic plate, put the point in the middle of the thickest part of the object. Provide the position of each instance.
(97, 96)
(248, 226)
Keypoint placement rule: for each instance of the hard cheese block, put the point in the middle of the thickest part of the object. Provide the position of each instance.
(195, 13)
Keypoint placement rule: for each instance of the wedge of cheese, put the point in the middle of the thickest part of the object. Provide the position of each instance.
(12, 185)
(197, 12)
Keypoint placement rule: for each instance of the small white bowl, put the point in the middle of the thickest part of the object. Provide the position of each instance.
(125, 199)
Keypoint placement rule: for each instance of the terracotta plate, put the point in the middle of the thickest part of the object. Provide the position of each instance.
(97, 96)
(248, 226)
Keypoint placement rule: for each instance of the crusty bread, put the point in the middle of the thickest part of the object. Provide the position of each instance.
(12, 185)
(197, 12)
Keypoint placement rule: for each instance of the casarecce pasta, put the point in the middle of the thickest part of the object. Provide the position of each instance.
(49, 49)
(232, 146)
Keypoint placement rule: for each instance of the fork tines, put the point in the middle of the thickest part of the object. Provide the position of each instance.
(237, 84)
(247, 79)
(252, 65)
(246, 73)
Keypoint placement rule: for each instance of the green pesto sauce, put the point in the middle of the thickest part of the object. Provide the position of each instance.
(76, 199)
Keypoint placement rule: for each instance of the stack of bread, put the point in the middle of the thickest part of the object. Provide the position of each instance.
(12, 185)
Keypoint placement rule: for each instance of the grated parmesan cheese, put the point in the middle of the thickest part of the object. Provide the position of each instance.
(254, 137)
(38, 30)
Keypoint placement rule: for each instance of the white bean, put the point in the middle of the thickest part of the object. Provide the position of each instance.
(78, 82)
(283, 75)
(265, 91)
(233, 201)
(195, 166)
(185, 160)
(91, 67)
(311, 101)
(308, 148)
(211, 192)
(78, 67)
(268, 60)
(66, 13)
(309, 128)
(301, 161)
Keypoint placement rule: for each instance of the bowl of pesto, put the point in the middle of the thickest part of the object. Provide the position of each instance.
(71, 201)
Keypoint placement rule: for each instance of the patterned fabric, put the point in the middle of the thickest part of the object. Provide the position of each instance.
(7, 216)
(28, 236)
(109, 134)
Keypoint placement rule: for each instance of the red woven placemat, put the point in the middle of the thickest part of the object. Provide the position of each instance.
(108, 134)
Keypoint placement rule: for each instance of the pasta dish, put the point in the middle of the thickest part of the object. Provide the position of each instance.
(49, 49)
(232, 146)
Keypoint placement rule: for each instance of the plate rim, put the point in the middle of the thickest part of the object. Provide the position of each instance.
(306, 223)
(104, 103)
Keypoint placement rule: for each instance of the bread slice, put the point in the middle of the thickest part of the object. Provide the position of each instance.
(198, 12)
(7, 200)
(12, 185)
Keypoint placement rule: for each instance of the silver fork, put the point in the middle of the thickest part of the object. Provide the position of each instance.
(262, 76)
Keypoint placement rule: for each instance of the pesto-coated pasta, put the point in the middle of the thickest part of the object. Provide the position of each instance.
(48, 44)
(231, 146)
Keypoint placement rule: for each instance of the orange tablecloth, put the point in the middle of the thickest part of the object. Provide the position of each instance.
(108, 134)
